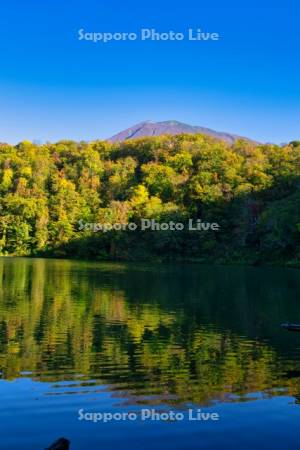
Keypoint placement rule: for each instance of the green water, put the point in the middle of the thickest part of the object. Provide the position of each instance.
(117, 337)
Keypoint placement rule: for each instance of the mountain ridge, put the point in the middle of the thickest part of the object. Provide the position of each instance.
(173, 127)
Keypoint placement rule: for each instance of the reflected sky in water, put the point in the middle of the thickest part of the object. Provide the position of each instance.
(117, 337)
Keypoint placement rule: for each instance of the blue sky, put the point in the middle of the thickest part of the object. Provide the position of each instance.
(53, 86)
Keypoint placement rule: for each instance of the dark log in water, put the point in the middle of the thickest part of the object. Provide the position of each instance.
(291, 326)
(60, 444)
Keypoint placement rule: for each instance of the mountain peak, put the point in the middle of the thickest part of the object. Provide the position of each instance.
(173, 127)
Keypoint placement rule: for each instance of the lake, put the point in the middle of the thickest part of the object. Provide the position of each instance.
(84, 345)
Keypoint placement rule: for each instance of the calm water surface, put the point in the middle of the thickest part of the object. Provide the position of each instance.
(121, 338)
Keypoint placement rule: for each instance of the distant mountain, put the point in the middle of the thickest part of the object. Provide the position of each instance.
(150, 128)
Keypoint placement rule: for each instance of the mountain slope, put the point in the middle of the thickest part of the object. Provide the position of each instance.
(149, 128)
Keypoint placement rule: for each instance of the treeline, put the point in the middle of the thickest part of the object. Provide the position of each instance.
(252, 192)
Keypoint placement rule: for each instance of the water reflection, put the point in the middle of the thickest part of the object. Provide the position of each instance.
(173, 334)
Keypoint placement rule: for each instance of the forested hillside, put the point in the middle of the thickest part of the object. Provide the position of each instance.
(252, 191)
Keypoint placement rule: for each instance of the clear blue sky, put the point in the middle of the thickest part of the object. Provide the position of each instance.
(53, 86)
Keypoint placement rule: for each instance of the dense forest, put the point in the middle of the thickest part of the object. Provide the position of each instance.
(52, 194)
